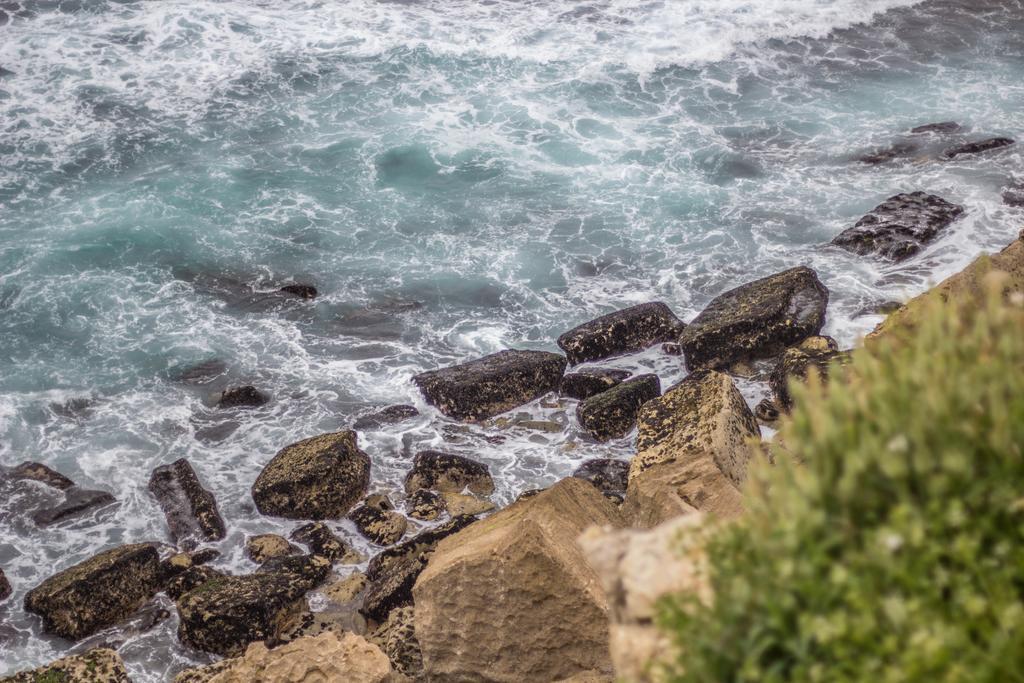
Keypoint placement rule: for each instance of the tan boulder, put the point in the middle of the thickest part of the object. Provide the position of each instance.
(101, 665)
(670, 489)
(637, 569)
(703, 413)
(326, 657)
(511, 598)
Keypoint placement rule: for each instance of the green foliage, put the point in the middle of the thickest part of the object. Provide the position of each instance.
(887, 544)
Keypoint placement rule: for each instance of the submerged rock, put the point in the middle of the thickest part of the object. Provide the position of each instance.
(446, 472)
(322, 541)
(36, 471)
(265, 547)
(317, 478)
(387, 416)
(100, 665)
(299, 290)
(626, 331)
(492, 385)
(1013, 194)
(377, 520)
(900, 226)
(817, 352)
(610, 476)
(978, 147)
(5, 586)
(98, 592)
(191, 510)
(943, 128)
(242, 397)
(517, 582)
(897, 150)
(756, 320)
(586, 383)
(425, 505)
(202, 373)
(76, 502)
(612, 414)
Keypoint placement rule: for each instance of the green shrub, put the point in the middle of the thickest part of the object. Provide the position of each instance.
(895, 550)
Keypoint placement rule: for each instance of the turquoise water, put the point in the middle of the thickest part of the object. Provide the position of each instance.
(455, 178)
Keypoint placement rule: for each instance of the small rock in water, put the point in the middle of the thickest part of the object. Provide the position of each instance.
(1013, 194)
(586, 383)
(36, 471)
(299, 290)
(73, 408)
(626, 331)
(898, 150)
(5, 586)
(978, 147)
(242, 397)
(322, 541)
(387, 416)
(612, 414)
(609, 475)
(76, 502)
(766, 411)
(381, 524)
(672, 349)
(264, 547)
(425, 505)
(99, 665)
(448, 473)
(901, 226)
(191, 510)
(202, 373)
(944, 128)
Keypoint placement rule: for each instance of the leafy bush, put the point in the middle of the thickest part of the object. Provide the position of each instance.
(895, 550)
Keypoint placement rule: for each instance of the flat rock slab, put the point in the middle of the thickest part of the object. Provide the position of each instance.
(98, 592)
(191, 510)
(626, 331)
(612, 414)
(978, 147)
(36, 471)
(448, 473)
(901, 226)
(493, 384)
(609, 475)
(586, 383)
(76, 502)
(101, 665)
(756, 320)
(317, 478)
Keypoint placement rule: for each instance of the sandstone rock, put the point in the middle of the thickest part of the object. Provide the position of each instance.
(261, 548)
(445, 472)
(943, 128)
(325, 658)
(626, 331)
(242, 397)
(322, 541)
(381, 524)
(757, 320)
(703, 413)
(978, 147)
(612, 414)
(588, 677)
(607, 474)
(191, 510)
(679, 487)
(76, 502)
(393, 572)
(226, 614)
(511, 598)
(817, 352)
(300, 290)
(190, 579)
(396, 637)
(317, 478)
(36, 471)
(100, 665)
(493, 384)
(98, 592)
(637, 569)
(425, 505)
(586, 383)
(387, 416)
(900, 227)
(5, 586)
(461, 504)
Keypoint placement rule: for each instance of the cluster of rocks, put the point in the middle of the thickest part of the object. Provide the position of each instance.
(944, 141)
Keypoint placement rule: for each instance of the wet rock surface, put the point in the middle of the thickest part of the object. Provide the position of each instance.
(322, 541)
(377, 520)
(77, 502)
(586, 383)
(978, 147)
(98, 592)
(300, 291)
(388, 416)
(100, 665)
(191, 510)
(317, 478)
(264, 547)
(901, 226)
(756, 320)
(612, 414)
(819, 353)
(626, 331)
(242, 397)
(493, 384)
(447, 472)
(425, 505)
(610, 476)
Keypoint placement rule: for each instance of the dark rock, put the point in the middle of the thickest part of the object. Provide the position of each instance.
(626, 331)
(228, 613)
(76, 502)
(390, 415)
(216, 433)
(191, 510)
(612, 414)
(35, 471)
(205, 555)
(900, 226)
(766, 411)
(317, 478)
(672, 349)
(756, 320)
(1013, 194)
(493, 384)
(98, 592)
(586, 383)
(322, 541)
(978, 147)
(393, 572)
(448, 473)
(944, 128)
(97, 665)
(311, 570)
(301, 291)
(379, 523)
(174, 566)
(242, 397)
(264, 547)
(818, 352)
(898, 150)
(396, 637)
(425, 505)
(189, 580)
(5, 586)
(610, 476)
(202, 373)
(73, 408)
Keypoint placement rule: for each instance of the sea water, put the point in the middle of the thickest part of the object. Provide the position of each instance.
(455, 177)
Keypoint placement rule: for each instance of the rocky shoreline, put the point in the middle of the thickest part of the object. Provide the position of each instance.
(460, 591)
